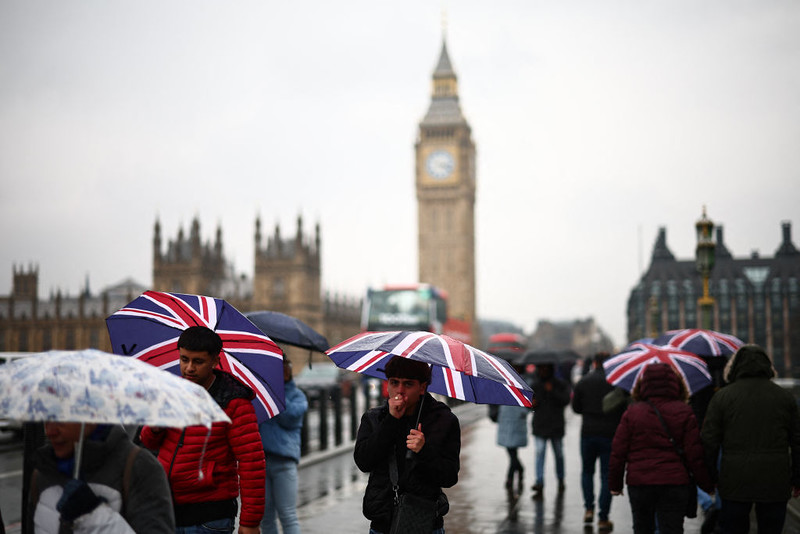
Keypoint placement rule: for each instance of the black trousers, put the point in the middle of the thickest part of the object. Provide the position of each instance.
(665, 503)
(734, 517)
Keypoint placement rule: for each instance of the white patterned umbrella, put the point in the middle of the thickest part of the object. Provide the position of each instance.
(91, 386)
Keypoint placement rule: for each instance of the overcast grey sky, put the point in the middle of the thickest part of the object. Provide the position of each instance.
(595, 123)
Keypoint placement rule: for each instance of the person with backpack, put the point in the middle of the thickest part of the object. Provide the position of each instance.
(120, 487)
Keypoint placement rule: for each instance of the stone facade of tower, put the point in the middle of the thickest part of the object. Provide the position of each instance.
(188, 265)
(445, 184)
(287, 274)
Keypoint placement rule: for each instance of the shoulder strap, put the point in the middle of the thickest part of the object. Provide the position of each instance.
(393, 475)
(126, 474)
(671, 439)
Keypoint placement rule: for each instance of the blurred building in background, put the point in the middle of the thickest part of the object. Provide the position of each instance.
(286, 279)
(756, 298)
(583, 336)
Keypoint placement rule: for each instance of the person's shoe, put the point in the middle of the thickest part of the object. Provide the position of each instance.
(710, 521)
(605, 525)
(561, 486)
(588, 516)
(510, 483)
(538, 491)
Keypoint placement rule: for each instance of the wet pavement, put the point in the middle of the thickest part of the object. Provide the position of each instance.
(479, 503)
(331, 488)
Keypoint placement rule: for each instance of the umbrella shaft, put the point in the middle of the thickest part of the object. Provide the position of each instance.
(78, 452)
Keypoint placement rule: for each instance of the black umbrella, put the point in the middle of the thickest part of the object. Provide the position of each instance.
(287, 329)
(541, 356)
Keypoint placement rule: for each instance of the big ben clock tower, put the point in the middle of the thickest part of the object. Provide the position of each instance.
(445, 180)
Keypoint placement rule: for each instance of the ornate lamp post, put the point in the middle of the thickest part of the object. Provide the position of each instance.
(705, 264)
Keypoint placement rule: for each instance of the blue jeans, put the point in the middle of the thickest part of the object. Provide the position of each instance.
(280, 496)
(592, 449)
(212, 527)
(558, 450)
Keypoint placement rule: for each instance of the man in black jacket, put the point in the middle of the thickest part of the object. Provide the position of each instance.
(597, 434)
(423, 435)
(552, 396)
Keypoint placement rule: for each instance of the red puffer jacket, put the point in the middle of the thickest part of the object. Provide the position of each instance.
(641, 444)
(228, 445)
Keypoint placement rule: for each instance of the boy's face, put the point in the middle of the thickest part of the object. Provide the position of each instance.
(407, 390)
(198, 366)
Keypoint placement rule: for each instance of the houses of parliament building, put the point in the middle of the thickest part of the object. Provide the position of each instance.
(287, 279)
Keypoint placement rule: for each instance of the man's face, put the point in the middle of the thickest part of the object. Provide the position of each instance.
(409, 390)
(64, 436)
(198, 366)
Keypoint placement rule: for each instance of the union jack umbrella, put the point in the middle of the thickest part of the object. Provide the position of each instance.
(458, 370)
(623, 369)
(707, 343)
(148, 328)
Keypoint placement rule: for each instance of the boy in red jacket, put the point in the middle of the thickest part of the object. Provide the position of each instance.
(208, 471)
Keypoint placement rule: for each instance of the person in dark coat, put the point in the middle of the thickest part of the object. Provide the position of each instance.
(426, 453)
(658, 483)
(597, 433)
(552, 396)
(755, 423)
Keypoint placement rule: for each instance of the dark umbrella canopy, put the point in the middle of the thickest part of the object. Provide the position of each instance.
(509, 355)
(287, 329)
(542, 356)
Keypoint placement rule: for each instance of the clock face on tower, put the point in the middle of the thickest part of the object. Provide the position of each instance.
(440, 164)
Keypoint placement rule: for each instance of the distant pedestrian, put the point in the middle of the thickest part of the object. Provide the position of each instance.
(512, 433)
(756, 426)
(658, 482)
(280, 436)
(552, 397)
(425, 455)
(120, 488)
(597, 433)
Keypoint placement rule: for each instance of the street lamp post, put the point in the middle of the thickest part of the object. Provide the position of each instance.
(705, 264)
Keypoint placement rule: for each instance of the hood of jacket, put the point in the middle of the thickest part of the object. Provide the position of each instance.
(660, 380)
(750, 361)
(226, 388)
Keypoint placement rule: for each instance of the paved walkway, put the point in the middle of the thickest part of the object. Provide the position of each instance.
(479, 503)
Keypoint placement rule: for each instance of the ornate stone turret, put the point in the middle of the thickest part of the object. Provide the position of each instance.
(157, 241)
(26, 283)
(190, 266)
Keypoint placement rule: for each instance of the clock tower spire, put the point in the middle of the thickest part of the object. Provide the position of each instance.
(445, 183)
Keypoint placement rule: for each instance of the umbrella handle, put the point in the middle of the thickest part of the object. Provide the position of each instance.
(79, 453)
(409, 452)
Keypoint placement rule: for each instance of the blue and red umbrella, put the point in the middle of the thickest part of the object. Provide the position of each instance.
(624, 369)
(706, 343)
(149, 327)
(458, 370)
